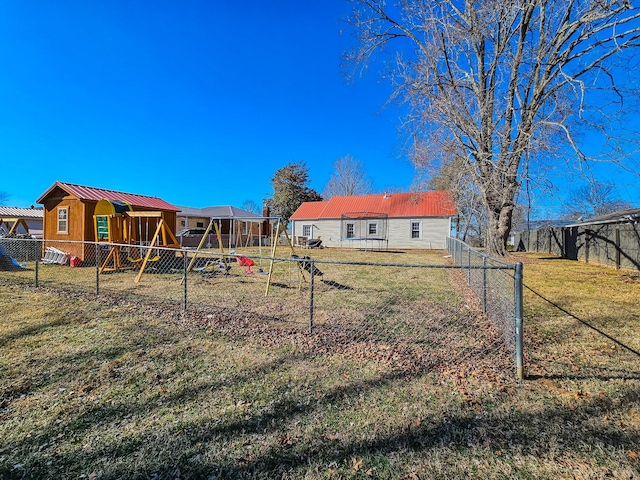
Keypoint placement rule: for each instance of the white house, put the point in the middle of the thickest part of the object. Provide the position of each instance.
(398, 220)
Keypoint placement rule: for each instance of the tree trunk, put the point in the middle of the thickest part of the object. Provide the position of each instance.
(498, 229)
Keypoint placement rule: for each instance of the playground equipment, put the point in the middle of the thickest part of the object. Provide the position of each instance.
(245, 262)
(163, 236)
(116, 223)
(365, 230)
(111, 226)
(213, 267)
(12, 224)
(302, 263)
(110, 222)
(7, 262)
(216, 227)
(237, 237)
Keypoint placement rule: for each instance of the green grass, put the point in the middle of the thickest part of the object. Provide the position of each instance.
(102, 387)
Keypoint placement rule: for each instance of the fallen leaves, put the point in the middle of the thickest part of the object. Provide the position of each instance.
(411, 476)
(285, 440)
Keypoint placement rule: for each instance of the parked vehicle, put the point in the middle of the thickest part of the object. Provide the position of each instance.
(191, 237)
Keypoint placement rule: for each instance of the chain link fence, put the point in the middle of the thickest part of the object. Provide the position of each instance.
(413, 317)
(498, 286)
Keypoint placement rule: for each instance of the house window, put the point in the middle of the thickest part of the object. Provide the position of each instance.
(373, 228)
(63, 217)
(199, 224)
(306, 230)
(351, 229)
(245, 228)
(183, 223)
(416, 230)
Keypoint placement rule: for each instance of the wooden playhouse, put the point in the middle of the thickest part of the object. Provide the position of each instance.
(77, 213)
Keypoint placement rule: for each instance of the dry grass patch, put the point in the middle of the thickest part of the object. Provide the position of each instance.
(105, 387)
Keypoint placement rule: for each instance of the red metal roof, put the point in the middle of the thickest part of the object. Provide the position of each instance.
(421, 204)
(309, 210)
(96, 194)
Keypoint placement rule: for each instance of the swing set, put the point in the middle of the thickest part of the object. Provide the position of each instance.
(302, 263)
(12, 224)
(130, 233)
(236, 238)
(222, 264)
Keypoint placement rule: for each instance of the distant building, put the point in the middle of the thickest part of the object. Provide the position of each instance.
(379, 222)
(237, 227)
(631, 216)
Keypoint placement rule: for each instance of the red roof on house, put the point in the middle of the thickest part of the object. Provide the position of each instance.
(97, 194)
(310, 210)
(420, 204)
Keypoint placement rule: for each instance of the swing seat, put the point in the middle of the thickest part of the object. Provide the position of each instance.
(134, 260)
(245, 262)
(307, 265)
(214, 266)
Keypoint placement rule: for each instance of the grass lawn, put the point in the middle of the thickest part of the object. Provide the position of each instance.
(98, 387)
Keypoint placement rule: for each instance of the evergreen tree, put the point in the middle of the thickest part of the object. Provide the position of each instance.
(290, 190)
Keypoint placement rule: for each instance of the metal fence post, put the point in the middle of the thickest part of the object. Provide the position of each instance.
(37, 270)
(311, 293)
(184, 284)
(484, 284)
(469, 265)
(97, 246)
(518, 320)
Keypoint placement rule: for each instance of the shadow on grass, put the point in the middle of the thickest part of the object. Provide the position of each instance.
(182, 447)
(32, 330)
(541, 432)
(337, 285)
(536, 433)
(585, 323)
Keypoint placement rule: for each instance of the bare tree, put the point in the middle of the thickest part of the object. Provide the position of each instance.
(471, 218)
(503, 81)
(349, 178)
(594, 200)
(251, 206)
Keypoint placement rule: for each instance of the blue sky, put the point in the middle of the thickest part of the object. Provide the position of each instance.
(197, 102)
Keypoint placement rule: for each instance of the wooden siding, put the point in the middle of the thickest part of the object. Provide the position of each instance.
(75, 219)
(75, 225)
(80, 225)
